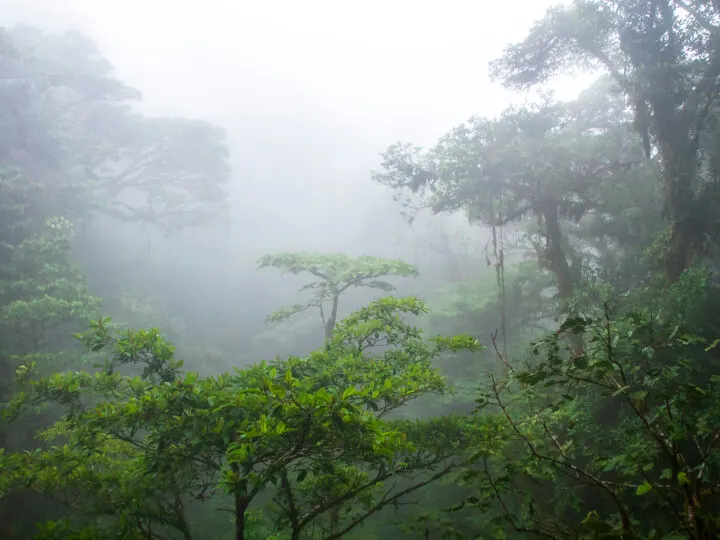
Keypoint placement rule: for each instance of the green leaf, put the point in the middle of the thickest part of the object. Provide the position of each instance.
(683, 479)
(643, 488)
(620, 391)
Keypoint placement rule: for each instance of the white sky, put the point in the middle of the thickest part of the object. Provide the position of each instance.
(399, 67)
(343, 79)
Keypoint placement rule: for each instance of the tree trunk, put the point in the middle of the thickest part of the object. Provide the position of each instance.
(330, 323)
(292, 508)
(680, 254)
(557, 261)
(5, 394)
(334, 521)
(676, 140)
(241, 504)
(559, 265)
(687, 224)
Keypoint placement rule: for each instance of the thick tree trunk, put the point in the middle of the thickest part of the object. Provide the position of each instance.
(559, 265)
(557, 261)
(678, 142)
(680, 252)
(687, 224)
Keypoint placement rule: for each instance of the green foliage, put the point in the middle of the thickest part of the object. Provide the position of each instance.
(65, 530)
(476, 307)
(476, 304)
(663, 57)
(43, 296)
(139, 447)
(553, 171)
(70, 147)
(502, 170)
(89, 151)
(625, 431)
(615, 436)
(47, 290)
(335, 274)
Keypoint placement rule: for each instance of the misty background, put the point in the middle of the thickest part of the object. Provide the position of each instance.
(309, 93)
(209, 181)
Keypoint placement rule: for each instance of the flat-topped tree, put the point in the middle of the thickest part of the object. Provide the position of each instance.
(71, 125)
(335, 273)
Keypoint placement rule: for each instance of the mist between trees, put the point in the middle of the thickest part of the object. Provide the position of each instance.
(518, 341)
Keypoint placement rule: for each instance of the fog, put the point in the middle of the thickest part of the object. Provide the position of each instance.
(302, 270)
(309, 93)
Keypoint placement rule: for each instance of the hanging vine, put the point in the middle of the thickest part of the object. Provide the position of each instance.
(499, 258)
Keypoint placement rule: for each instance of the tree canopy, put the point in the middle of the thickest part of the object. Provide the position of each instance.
(315, 427)
(664, 57)
(335, 274)
(583, 256)
(68, 118)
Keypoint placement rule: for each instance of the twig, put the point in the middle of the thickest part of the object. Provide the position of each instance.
(493, 338)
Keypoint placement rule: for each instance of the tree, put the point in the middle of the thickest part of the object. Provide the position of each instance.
(546, 163)
(43, 299)
(45, 296)
(664, 57)
(140, 448)
(63, 119)
(474, 305)
(336, 273)
(167, 172)
(71, 120)
(619, 443)
(42, 293)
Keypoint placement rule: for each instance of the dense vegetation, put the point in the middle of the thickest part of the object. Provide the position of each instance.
(558, 382)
